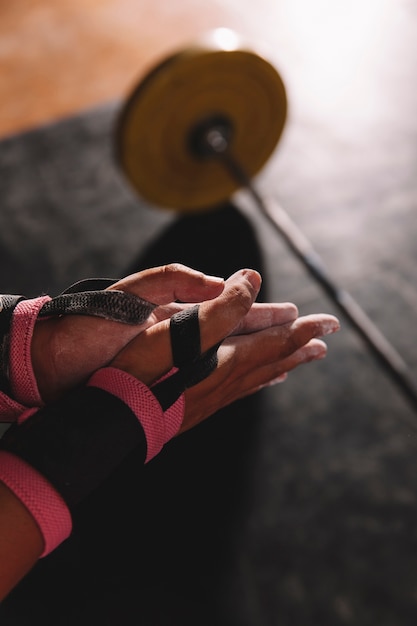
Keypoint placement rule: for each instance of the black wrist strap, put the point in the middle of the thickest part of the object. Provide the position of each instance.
(77, 442)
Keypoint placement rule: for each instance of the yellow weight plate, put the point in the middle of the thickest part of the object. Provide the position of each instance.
(215, 78)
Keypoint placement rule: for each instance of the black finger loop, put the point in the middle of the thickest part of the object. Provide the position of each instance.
(185, 336)
(170, 389)
(197, 371)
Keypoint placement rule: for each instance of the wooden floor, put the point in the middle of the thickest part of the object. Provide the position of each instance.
(58, 57)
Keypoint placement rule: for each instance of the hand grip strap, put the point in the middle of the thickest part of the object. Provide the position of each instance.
(18, 386)
(193, 367)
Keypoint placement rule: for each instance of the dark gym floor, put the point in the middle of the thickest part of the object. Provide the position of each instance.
(306, 514)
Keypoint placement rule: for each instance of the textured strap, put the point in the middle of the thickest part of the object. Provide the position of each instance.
(90, 297)
(10, 409)
(57, 456)
(193, 367)
(159, 427)
(185, 336)
(170, 389)
(18, 316)
(77, 442)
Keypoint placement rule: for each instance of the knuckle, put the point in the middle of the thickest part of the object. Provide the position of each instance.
(172, 268)
(175, 269)
(241, 299)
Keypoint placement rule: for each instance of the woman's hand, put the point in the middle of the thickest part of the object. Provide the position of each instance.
(247, 363)
(67, 350)
(262, 342)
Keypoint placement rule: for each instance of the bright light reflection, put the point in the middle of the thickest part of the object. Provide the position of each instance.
(338, 44)
(226, 39)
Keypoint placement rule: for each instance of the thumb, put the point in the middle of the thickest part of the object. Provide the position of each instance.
(168, 283)
(149, 355)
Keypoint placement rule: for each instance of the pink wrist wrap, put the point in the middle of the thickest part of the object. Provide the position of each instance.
(44, 504)
(9, 408)
(22, 378)
(159, 427)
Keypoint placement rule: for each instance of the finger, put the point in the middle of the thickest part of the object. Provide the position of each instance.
(259, 359)
(221, 316)
(217, 319)
(168, 283)
(237, 378)
(278, 342)
(314, 350)
(277, 372)
(307, 327)
(260, 316)
(256, 360)
(264, 315)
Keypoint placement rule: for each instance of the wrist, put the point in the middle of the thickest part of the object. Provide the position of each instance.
(159, 426)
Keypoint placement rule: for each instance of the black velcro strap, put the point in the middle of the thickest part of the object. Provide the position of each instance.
(185, 336)
(198, 370)
(169, 390)
(78, 442)
(193, 367)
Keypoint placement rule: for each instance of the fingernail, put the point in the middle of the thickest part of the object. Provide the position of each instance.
(253, 277)
(318, 352)
(330, 326)
(278, 379)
